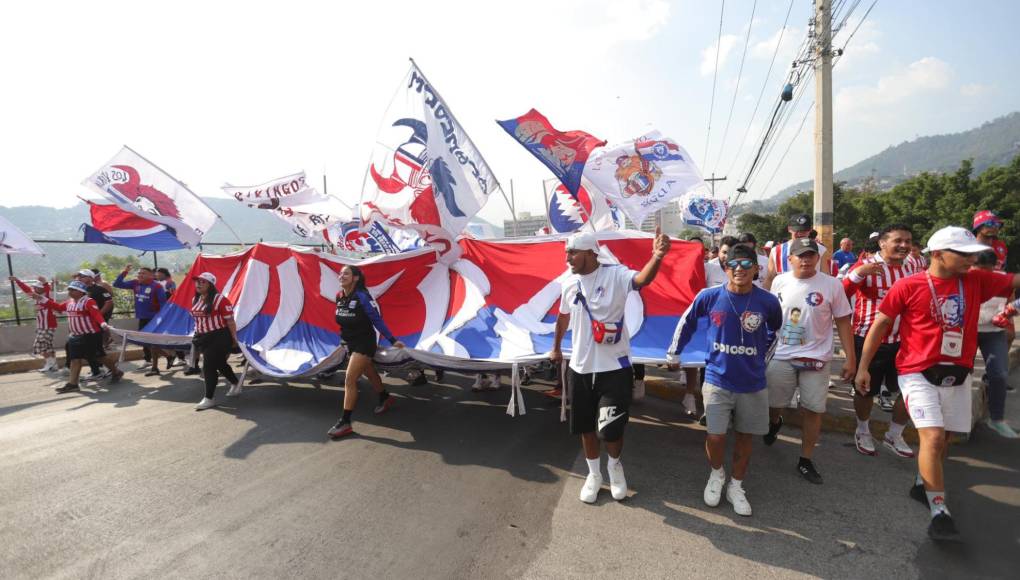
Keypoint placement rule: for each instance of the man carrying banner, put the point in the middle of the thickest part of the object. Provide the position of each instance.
(743, 322)
(592, 305)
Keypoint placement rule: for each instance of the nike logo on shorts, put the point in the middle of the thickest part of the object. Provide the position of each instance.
(607, 415)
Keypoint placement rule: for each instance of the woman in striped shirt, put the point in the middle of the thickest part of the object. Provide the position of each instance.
(45, 321)
(215, 336)
(85, 327)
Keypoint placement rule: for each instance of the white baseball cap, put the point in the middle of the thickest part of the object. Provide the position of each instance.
(956, 239)
(207, 276)
(583, 241)
(87, 272)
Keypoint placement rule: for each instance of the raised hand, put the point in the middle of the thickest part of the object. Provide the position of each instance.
(660, 247)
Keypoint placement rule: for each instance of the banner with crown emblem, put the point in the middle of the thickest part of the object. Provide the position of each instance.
(644, 175)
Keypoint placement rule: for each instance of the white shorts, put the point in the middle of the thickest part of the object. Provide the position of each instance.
(931, 406)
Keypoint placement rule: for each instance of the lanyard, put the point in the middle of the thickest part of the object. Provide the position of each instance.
(935, 301)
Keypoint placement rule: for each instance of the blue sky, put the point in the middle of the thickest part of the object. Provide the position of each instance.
(244, 92)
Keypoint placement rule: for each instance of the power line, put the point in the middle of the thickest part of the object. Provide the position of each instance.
(715, 74)
(761, 93)
(736, 90)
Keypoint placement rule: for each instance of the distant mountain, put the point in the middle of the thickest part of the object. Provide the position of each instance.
(993, 143)
(64, 224)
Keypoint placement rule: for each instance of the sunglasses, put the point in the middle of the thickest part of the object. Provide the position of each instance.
(744, 263)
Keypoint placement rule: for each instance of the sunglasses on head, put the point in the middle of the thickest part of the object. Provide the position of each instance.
(745, 263)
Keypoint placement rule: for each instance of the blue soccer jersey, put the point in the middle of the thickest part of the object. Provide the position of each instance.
(742, 332)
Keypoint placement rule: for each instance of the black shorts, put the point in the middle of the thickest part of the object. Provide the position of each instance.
(600, 402)
(85, 346)
(366, 345)
(882, 368)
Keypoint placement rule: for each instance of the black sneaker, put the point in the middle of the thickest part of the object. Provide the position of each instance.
(152, 373)
(942, 528)
(703, 421)
(807, 470)
(192, 371)
(420, 380)
(68, 388)
(773, 433)
(341, 429)
(917, 492)
(886, 402)
(440, 373)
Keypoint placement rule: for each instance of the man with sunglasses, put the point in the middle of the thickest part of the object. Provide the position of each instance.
(743, 321)
(811, 303)
(938, 312)
(986, 228)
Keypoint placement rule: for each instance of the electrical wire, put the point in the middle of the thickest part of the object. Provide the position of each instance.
(715, 75)
(761, 93)
(736, 89)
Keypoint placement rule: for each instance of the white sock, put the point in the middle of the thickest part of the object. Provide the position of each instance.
(937, 502)
(613, 462)
(864, 427)
(738, 483)
(595, 466)
(896, 430)
(719, 473)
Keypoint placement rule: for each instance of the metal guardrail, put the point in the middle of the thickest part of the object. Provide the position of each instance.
(23, 316)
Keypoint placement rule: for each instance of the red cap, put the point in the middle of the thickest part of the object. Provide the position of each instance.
(986, 217)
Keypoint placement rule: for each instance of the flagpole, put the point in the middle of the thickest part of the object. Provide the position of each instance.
(454, 119)
(202, 201)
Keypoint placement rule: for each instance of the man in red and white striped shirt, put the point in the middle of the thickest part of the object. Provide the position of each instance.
(45, 321)
(867, 283)
(85, 326)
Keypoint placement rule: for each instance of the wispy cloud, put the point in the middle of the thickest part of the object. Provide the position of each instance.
(725, 45)
(976, 89)
(927, 75)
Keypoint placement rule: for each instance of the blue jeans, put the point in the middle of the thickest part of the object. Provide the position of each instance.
(995, 351)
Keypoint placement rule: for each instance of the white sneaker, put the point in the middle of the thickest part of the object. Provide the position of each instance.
(235, 390)
(590, 490)
(735, 495)
(65, 371)
(639, 390)
(898, 446)
(617, 482)
(865, 443)
(690, 405)
(205, 403)
(1002, 428)
(713, 490)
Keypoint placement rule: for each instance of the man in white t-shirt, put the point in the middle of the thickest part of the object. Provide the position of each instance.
(592, 306)
(811, 302)
(800, 227)
(750, 241)
(715, 272)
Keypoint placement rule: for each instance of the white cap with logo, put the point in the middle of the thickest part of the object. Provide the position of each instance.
(208, 277)
(956, 239)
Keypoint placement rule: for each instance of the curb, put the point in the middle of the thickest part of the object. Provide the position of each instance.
(25, 364)
(671, 390)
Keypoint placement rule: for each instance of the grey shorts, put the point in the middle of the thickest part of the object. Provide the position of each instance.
(749, 411)
(784, 379)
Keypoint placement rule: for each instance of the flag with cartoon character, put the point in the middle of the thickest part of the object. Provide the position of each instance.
(644, 175)
(136, 185)
(563, 152)
(425, 174)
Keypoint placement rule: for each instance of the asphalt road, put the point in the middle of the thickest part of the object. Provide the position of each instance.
(128, 481)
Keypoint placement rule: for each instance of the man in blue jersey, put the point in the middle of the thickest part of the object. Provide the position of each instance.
(743, 323)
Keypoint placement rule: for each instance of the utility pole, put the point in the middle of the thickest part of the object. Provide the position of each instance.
(823, 124)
